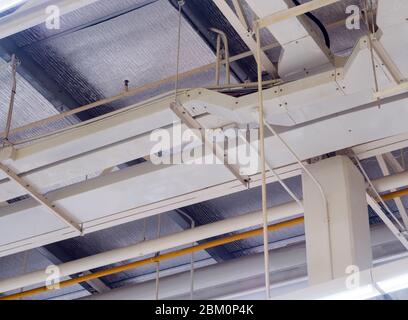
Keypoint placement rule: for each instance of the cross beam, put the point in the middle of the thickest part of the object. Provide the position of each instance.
(33, 192)
(192, 123)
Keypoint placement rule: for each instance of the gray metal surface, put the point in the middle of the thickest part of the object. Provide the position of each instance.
(100, 46)
(92, 62)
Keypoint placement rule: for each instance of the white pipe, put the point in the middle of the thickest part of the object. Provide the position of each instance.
(238, 276)
(211, 277)
(395, 181)
(275, 214)
(145, 248)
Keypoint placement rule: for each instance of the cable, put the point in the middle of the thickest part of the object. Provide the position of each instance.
(24, 267)
(281, 182)
(192, 226)
(12, 98)
(144, 228)
(176, 86)
(311, 176)
(263, 167)
(321, 26)
(371, 38)
(157, 254)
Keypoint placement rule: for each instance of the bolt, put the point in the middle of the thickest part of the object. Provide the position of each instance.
(126, 82)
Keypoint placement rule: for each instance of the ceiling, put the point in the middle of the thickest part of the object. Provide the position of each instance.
(89, 58)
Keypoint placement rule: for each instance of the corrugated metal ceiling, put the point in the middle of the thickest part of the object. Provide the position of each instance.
(107, 42)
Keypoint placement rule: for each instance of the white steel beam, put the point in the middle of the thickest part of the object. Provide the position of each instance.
(381, 146)
(219, 152)
(43, 200)
(301, 38)
(293, 12)
(49, 236)
(107, 140)
(403, 86)
(388, 62)
(240, 13)
(245, 35)
(35, 12)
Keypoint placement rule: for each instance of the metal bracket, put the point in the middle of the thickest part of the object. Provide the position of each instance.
(7, 152)
(39, 197)
(192, 123)
(386, 59)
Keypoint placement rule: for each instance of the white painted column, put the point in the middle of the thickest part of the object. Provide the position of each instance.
(340, 238)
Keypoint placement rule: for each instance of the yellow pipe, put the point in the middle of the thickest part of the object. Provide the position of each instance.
(396, 194)
(178, 253)
(166, 256)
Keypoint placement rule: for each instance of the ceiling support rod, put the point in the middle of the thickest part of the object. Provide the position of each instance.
(240, 13)
(12, 97)
(258, 25)
(263, 165)
(33, 192)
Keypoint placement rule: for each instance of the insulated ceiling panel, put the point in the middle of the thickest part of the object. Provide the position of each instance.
(29, 104)
(110, 42)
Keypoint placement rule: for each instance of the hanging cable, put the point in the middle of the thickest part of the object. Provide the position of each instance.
(263, 166)
(176, 85)
(321, 26)
(24, 266)
(278, 178)
(157, 254)
(192, 226)
(318, 185)
(371, 37)
(12, 98)
(144, 228)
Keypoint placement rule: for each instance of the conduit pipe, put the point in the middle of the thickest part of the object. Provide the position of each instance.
(275, 215)
(159, 258)
(178, 253)
(395, 194)
(395, 181)
(218, 280)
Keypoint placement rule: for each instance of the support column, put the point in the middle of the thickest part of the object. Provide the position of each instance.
(341, 237)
